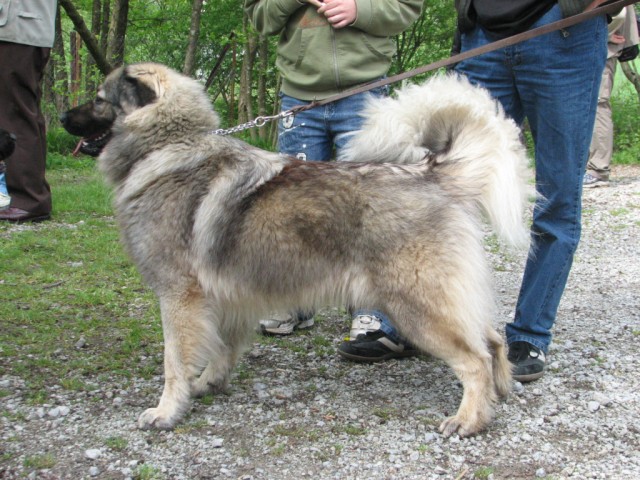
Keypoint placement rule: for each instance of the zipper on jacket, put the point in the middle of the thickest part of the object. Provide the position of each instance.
(334, 44)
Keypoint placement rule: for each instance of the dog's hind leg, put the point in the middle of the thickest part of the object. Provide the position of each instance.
(448, 316)
(227, 342)
(185, 330)
(465, 351)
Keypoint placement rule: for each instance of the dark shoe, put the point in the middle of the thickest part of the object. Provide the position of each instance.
(17, 215)
(528, 361)
(375, 347)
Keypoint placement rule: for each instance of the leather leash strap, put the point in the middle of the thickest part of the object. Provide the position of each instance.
(505, 42)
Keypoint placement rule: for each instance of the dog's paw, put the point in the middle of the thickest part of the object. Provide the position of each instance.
(456, 425)
(156, 419)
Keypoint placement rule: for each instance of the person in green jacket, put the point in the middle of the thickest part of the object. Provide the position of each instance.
(325, 48)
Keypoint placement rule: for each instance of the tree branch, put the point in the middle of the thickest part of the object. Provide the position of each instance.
(87, 37)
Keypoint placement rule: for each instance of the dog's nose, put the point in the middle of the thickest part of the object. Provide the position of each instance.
(63, 117)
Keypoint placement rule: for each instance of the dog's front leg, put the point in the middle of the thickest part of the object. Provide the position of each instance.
(182, 324)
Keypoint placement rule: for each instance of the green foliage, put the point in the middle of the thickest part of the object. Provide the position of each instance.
(625, 106)
(158, 31)
(60, 142)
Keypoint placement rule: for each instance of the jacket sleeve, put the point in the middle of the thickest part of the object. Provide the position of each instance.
(269, 17)
(386, 18)
(573, 7)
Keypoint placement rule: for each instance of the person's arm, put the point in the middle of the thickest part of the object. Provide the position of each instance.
(573, 7)
(269, 17)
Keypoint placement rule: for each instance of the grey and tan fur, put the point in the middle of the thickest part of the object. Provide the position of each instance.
(224, 232)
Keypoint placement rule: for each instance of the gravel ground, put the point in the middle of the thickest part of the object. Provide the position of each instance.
(295, 410)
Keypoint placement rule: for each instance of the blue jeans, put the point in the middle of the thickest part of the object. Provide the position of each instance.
(314, 134)
(553, 82)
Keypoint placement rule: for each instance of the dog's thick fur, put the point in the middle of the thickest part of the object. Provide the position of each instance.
(224, 232)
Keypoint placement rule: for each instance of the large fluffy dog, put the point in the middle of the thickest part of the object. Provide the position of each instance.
(224, 232)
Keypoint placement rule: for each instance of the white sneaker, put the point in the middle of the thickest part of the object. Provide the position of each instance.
(591, 181)
(5, 200)
(283, 324)
(362, 324)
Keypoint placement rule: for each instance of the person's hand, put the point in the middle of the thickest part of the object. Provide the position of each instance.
(315, 3)
(339, 13)
(616, 38)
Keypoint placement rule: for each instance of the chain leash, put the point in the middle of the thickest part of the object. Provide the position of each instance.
(257, 122)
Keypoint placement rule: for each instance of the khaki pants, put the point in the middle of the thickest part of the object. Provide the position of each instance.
(601, 149)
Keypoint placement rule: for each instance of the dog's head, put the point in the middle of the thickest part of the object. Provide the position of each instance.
(123, 91)
(7, 144)
(137, 98)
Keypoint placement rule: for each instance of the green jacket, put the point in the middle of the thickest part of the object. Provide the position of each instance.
(317, 61)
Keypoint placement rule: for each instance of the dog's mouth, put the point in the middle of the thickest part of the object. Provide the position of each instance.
(93, 144)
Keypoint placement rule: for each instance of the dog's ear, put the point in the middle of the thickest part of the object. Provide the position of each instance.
(144, 85)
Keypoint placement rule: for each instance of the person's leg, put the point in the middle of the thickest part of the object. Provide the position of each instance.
(20, 93)
(492, 71)
(601, 150)
(304, 135)
(346, 116)
(558, 77)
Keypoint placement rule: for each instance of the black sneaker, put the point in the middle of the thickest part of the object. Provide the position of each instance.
(528, 361)
(375, 347)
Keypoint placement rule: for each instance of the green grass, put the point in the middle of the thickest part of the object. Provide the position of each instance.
(39, 462)
(69, 279)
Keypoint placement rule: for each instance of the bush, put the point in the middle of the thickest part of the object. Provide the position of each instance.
(60, 141)
(625, 108)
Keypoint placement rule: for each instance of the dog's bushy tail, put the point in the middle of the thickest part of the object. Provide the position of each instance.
(465, 140)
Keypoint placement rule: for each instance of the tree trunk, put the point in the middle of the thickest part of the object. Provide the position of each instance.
(104, 24)
(56, 86)
(117, 32)
(194, 34)
(245, 107)
(90, 63)
(263, 61)
(232, 83)
(273, 128)
(75, 43)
